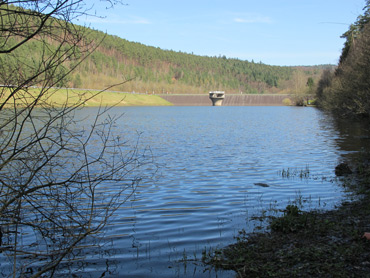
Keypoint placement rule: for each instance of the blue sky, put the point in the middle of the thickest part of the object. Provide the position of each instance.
(275, 32)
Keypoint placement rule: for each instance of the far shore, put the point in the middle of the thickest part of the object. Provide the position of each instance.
(94, 98)
(90, 98)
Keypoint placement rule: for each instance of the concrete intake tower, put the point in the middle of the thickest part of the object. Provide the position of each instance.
(217, 97)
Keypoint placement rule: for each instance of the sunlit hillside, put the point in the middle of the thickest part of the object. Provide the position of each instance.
(153, 70)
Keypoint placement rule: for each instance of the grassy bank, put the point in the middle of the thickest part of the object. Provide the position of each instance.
(307, 244)
(127, 99)
(69, 97)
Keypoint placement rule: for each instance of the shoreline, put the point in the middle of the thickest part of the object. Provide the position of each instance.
(60, 97)
(230, 99)
(63, 97)
(307, 243)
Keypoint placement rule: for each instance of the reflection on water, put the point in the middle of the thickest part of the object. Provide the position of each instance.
(211, 160)
(355, 135)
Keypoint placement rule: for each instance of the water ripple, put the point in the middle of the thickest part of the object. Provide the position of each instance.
(210, 162)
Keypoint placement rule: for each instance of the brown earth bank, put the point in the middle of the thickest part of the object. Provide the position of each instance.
(230, 100)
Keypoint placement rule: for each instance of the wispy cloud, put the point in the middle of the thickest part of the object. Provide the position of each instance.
(253, 19)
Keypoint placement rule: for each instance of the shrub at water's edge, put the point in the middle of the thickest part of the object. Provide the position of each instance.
(346, 91)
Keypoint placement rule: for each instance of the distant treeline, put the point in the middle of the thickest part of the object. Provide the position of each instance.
(153, 70)
(164, 71)
(346, 91)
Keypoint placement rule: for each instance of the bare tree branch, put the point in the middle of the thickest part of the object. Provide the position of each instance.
(59, 183)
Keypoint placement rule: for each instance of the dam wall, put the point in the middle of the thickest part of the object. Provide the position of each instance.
(230, 100)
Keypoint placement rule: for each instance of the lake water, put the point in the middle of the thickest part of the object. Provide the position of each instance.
(210, 161)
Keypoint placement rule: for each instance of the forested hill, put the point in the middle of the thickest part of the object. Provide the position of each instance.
(161, 71)
(154, 70)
